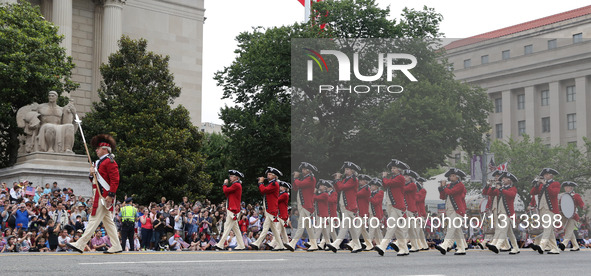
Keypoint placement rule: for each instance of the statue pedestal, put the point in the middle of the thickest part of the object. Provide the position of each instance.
(68, 170)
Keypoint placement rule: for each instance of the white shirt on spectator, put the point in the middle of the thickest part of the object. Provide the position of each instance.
(63, 241)
(178, 223)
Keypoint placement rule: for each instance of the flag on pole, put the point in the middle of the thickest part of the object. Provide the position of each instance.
(503, 167)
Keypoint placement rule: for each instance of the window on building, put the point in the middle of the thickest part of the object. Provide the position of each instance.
(551, 44)
(484, 59)
(467, 63)
(521, 101)
(571, 120)
(571, 93)
(528, 49)
(578, 38)
(498, 105)
(499, 131)
(545, 97)
(546, 124)
(506, 54)
(521, 128)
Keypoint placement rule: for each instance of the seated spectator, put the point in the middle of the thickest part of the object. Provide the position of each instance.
(11, 245)
(40, 247)
(300, 244)
(99, 242)
(62, 240)
(175, 243)
(24, 241)
(162, 245)
(231, 240)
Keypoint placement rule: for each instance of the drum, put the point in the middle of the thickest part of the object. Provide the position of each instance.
(567, 205)
(483, 204)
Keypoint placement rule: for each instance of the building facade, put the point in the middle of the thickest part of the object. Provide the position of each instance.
(91, 29)
(537, 74)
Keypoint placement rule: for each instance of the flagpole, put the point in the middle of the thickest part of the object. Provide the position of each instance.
(307, 8)
(485, 163)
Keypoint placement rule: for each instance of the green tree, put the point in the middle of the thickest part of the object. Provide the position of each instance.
(216, 150)
(158, 147)
(527, 157)
(32, 63)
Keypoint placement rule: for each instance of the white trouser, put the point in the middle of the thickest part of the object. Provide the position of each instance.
(412, 230)
(569, 234)
(284, 239)
(106, 217)
(401, 236)
(375, 233)
(269, 224)
(231, 224)
(322, 232)
(301, 225)
(454, 234)
(347, 218)
(505, 229)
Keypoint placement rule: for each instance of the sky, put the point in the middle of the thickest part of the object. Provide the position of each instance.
(227, 18)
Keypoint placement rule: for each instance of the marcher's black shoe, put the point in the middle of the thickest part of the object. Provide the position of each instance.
(492, 248)
(332, 248)
(561, 246)
(115, 252)
(394, 246)
(74, 248)
(443, 251)
(253, 246)
(460, 253)
(380, 251)
(288, 247)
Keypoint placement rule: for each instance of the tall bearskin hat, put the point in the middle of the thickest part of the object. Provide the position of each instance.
(103, 140)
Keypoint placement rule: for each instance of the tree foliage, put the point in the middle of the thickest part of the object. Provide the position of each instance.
(216, 149)
(158, 147)
(527, 157)
(267, 126)
(32, 63)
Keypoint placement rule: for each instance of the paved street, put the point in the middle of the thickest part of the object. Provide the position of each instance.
(477, 262)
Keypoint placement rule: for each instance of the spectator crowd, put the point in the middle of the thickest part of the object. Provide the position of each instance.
(45, 218)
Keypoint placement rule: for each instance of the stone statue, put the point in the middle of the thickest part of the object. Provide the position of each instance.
(48, 127)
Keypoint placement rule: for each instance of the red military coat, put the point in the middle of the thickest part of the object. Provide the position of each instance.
(394, 192)
(305, 191)
(347, 187)
(491, 197)
(363, 201)
(234, 194)
(457, 194)
(420, 199)
(109, 171)
(332, 204)
(507, 199)
(283, 202)
(322, 204)
(551, 193)
(410, 195)
(270, 196)
(579, 204)
(376, 198)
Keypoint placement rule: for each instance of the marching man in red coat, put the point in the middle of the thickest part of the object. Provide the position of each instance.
(233, 191)
(270, 202)
(363, 208)
(376, 197)
(321, 205)
(547, 191)
(505, 209)
(283, 204)
(304, 183)
(393, 185)
(454, 195)
(410, 197)
(104, 176)
(492, 208)
(346, 188)
(569, 223)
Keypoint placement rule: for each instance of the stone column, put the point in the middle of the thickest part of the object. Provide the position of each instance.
(62, 17)
(557, 118)
(112, 27)
(508, 115)
(531, 112)
(47, 9)
(582, 102)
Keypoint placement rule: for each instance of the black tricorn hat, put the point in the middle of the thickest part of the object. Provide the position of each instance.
(497, 172)
(364, 177)
(411, 173)
(510, 176)
(324, 182)
(569, 183)
(236, 173)
(397, 163)
(306, 165)
(548, 170)
(455, 171)
(350, 165)
(273, 171)
(103, 140)
(376, 181)
(285, 184)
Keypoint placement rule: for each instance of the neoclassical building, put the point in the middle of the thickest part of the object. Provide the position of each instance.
(536, 73)
(92, 28)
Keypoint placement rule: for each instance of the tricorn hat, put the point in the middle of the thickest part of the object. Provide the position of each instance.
(569, 183)
(306, 165)
(236, 173)
(273, 171)
(285, 184)
(376, 181)
(497, 172)
(548, 170)
(351, 165)
(510, 176)
(455, 171)
(103, 140)
(324, 182)
(411, 173)
(397, 163)
(364, 177)
(421, 179)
